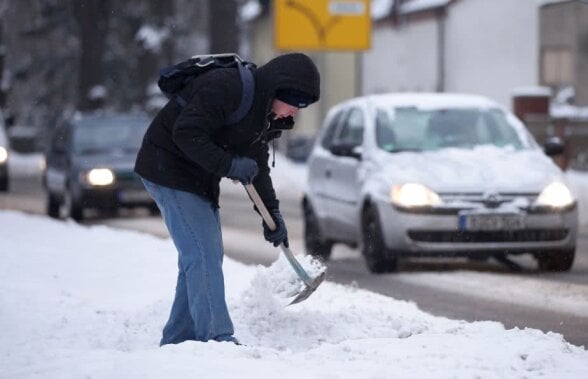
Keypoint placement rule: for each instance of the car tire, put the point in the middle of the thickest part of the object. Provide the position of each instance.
(373, 247)
(313, 240)
(154, 210)
(559, 260)
(52, 206)
(73, 207)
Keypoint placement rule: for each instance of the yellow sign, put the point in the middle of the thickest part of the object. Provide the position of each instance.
(322, 24)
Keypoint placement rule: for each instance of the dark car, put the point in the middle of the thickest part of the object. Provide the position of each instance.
(89, 164)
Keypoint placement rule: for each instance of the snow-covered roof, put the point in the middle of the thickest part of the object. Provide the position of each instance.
(568, 111)
(531, 91)
(421, 5)
(381, 9)
(433, 100)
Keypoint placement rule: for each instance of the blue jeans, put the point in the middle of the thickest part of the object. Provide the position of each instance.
(199, 311)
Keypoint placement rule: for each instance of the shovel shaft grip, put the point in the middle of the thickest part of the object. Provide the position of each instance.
(302, 274)
(260, 206)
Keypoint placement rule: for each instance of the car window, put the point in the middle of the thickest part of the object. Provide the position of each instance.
(351, 131)
(108, 134)
(400, 128)
(410, 128)
(332, 125)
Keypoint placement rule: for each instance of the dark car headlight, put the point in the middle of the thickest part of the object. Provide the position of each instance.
(3, 154)
(99, 177)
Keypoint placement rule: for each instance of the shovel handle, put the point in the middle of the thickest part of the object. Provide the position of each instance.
(302, 274)
(252, 192)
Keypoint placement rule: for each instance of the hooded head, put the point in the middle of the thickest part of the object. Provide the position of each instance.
(293, 78)
(294, 97)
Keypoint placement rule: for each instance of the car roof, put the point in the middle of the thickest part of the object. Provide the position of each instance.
(427, 100)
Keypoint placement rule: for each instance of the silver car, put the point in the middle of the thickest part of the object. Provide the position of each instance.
(435, 175)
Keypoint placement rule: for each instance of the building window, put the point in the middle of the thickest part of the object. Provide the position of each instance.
(556, 66)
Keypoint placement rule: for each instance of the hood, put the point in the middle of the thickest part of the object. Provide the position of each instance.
(482, 169)
(289, 71)
(116, 161)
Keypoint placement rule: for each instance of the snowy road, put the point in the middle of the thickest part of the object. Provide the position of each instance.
(453, 288)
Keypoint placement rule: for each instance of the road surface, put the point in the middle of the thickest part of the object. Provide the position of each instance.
(427, 283)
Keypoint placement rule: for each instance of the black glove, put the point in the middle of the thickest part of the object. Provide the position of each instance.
(277, 126)
(278, 236)
(282, 123)
(243, 169)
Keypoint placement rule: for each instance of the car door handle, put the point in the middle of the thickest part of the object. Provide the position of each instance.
(328, 173)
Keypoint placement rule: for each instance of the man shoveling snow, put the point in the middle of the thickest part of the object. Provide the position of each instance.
(204, 133)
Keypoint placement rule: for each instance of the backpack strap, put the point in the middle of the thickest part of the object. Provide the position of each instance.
(246, 94)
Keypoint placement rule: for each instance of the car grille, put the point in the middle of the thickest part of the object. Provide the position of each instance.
(531, 235)
(487, 200)
(128, 178)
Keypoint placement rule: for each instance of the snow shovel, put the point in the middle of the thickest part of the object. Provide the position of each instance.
(311, 284)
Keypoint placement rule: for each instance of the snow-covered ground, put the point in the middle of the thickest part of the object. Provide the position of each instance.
(79, 302)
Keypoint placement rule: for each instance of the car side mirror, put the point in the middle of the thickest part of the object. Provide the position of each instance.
(345, 149)
(553, 146)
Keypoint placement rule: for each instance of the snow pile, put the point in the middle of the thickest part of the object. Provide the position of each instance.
(91, 301)
(280, 281)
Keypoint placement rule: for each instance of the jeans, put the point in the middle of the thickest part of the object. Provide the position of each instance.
(199, 311)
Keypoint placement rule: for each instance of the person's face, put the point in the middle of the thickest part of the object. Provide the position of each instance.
(282, 109)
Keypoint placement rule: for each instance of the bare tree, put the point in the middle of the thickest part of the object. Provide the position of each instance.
(3, 87)
(92, 17)
(223, 29)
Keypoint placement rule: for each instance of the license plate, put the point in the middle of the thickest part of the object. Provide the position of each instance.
(491, 221)
(133, 196)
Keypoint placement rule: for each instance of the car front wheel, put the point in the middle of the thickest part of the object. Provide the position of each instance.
(52, 205)
(313, 241)
(373, 246)
(73, 206)
(559, 260)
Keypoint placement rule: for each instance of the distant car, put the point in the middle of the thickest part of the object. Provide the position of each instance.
(435, 175)
(3, 158)
(89, 164)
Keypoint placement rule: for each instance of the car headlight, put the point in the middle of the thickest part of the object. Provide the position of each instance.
(555, 195)
(3, 154)
(412, 195)
(100, 177)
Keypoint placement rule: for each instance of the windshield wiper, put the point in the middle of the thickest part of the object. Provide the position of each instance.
(402, 150)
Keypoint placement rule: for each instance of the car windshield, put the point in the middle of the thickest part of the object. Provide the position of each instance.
(414, 129)
(101, 135)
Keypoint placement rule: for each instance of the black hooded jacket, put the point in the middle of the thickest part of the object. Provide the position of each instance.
(191, 148)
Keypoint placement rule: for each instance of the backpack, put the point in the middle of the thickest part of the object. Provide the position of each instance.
(173, 79)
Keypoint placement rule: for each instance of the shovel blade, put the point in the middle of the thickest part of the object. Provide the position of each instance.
(309, 288)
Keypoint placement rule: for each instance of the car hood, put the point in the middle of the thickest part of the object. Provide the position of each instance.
(481, 169)
(116, 161)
